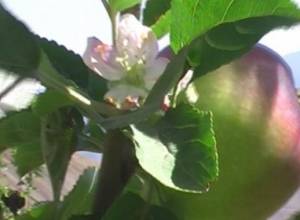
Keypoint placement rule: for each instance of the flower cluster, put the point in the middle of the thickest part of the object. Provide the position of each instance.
(132, 65)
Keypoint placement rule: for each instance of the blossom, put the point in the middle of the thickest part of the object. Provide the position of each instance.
(131, 66)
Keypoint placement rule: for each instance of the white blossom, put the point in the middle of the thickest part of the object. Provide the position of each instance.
(132, 66)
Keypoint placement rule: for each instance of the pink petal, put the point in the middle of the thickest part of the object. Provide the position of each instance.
(101, 58)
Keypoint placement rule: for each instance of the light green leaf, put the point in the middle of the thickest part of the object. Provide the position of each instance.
(158, 16)
(21, 128)
(28, 156)
(80, 200)
(162, 26)
(41, 211)
(50, 101)
(184, 150)
(19, 51)
(192, 19)
(120, 5)
(21, 131)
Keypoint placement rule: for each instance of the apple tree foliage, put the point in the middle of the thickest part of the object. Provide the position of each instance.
(225, 148)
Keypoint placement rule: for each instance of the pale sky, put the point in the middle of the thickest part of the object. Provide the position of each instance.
(70, 22)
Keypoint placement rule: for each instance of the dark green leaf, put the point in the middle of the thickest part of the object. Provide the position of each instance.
(92, 138)
(206, 58)
(72, 67)
(296, 217)
(59, 138)
(229, 41)
(128, 203)
(132, 207)
(18, 49)
(160, 213)
(154, 10)
(191, 19)
(120, 5)
(184, 150)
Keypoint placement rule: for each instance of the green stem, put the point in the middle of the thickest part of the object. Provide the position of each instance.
(148, 197)
(112, 16)
(117, 167)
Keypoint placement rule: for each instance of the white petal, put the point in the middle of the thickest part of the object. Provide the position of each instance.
(101, 58)
(121, 92)
(135, 41)
(154, 71)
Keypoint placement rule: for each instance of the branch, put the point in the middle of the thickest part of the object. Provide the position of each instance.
(11, 87)
(118, 165)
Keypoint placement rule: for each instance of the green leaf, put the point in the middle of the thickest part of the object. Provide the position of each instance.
(72, 67)
(50, 77)
(296, 217)
(229, 41)
(59, 138)
(160, 213)
(19, 51)
(41, 211)
(17, 129)
(80, 200)
(28, 157)
(120, 5)
(128, 203)
(184, 150)
(138, 209)
(49, 102)
(154, 10)
(162, 26)
(191, 19)
(21, 131)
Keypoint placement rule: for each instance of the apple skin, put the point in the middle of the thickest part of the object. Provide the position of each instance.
(257, 127)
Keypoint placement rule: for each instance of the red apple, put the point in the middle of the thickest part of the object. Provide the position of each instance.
(257, 126)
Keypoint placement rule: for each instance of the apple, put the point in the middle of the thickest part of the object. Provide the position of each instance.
(257, 127)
